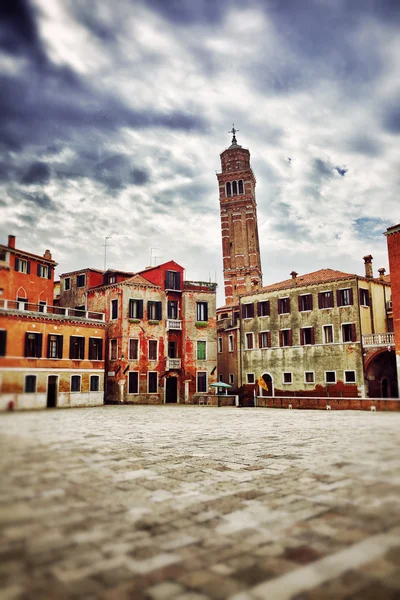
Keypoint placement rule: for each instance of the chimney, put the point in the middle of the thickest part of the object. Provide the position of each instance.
(47, 254)
(382, 272)
(294, 274)
(368, 266)
(11, 241)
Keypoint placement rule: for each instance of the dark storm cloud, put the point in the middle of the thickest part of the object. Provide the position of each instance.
(18, 30)
(140, 176)
(40, 200)
(391, 120)
(367, 145)
(38, 172)
(185, 12)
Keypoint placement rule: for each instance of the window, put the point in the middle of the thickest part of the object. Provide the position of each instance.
(287, 377)
(231, 378)
(81, 280)
(114, 309)
(231, 343)
(3, 342)
(345, 297)
(75, 383)
(330, 376)
(249, 341)
(135, 309)
(348, 332)
(285, 337)
(153, 347)
(133, 382)
(307, 336)
(95, 349)
(220, 377)
(248, 311)
(309, 377)
(172, 349)
(202, 311)
(228, 189)
(133, 352)
(234, 188)
(3, 255)
(201, 380)
(30, 384)
(113, 349)
(350, 376)
(305, 302)
(364, 297)
(152, 382)
(265, 339)
(263, 309)
(112, 279)
(22, 303)
(283, 306)
(202, 349)
(42, 306)
(154, 310)
(22, 266)
(67, 284)
(325, 299)
(250, 378)
(220, 344)
(327, 333)
(172, 309)
(94, 383)
(33, 345)
(54, 346)
(43, 271)
(240, 186)
(172, 280)
(76, 347)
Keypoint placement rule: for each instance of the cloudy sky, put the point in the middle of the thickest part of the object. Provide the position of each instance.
(113, 116)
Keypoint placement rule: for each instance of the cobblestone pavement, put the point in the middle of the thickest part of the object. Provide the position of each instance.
(194, 503)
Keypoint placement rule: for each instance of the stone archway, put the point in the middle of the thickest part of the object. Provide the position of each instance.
(381, 375)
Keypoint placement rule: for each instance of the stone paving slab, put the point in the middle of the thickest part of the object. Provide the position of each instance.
(199, 503)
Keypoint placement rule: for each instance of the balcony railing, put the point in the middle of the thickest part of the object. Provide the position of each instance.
(173, 363)
(175, 324)
(378, 339)
(24, 307)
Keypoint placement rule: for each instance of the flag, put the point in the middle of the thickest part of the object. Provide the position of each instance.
(261, 382)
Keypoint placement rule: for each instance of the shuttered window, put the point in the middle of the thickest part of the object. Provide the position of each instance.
(76, 347)
(33, 345)
(95, 349)
(135, 308)
(54, 346)
(154, 310)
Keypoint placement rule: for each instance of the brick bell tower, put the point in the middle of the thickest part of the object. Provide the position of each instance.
(240, 245)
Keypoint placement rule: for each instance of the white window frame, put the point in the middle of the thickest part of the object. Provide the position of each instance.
(247, 378)
(43, 271)
(219, 345)
(129, 349)
(355, 376)
(341, 332)
(365, 290)
(249, 333)
(206, 352)
(246, 304)
(80, 384)
(286, 329)
(330, 382)
(111, 309)
(197, 382)
(30, 375)
(283, 377)
(110, 348)
(23, 265)
(309, 382)
(231, 378)
(266, 332)
(312, 302)
(304, 337)
(231, 343)
(84, 280)
(284, 298)
(324, 336)
(148, 350)
(148, 381)
(345, 290)
(55, 357)
(138, 386)
(90, 384)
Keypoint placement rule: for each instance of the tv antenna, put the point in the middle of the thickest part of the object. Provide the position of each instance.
(108, 237)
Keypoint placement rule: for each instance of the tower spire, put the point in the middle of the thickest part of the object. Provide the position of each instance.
(233, 131)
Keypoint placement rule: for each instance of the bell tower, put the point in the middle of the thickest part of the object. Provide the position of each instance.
(240, 244)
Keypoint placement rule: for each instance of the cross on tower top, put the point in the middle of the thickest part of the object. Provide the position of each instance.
(233, 131)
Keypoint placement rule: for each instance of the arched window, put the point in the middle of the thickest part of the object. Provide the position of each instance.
(234, 188)
(228, 189)
(240, 186)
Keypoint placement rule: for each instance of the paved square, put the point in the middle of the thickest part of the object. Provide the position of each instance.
(193, 503)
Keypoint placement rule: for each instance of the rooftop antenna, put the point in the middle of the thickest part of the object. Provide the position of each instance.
(155, 260)
(151, 254)
(108, 237)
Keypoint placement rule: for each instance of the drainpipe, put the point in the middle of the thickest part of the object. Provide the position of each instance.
(365, 384)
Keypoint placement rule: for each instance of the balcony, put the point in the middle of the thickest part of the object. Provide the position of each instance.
(378, 339)
(173, 363)
(44, 309)
(175, 324)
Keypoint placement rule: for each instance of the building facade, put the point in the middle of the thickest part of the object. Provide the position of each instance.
(393, 242)
(238, 209)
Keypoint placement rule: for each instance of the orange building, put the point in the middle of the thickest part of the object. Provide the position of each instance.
(26, 277)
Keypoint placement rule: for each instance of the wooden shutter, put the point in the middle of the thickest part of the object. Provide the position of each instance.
(149, 303)
(243, 311)
(290, 338)
(49, 272)
(82, 348)
(302, 337)
(280, 338)
(311, 301)
(351, 295)
(178, 280)
(48, 345)
(268, 309)
(206, 311)
(353, 332)
(100, 353)
(28, 266)
(331, 302)
(26, 344)
(260, 340)
(38, 270)
(3, 342)
(258, 309)
(16, 265)
(252, 309)
(339, 298)
(60, 340)
(312, 335)
(91, 349)
(140, 309)
(158, 311)
(269, 339)
(71, 346)
(300, 301)
(320, 300)
(38, 345)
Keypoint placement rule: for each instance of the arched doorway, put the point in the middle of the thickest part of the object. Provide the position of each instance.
(381, 375)
(270, 385)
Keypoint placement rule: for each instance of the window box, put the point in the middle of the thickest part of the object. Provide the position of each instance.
(134, 320)
(153, 322)
(201, 323)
